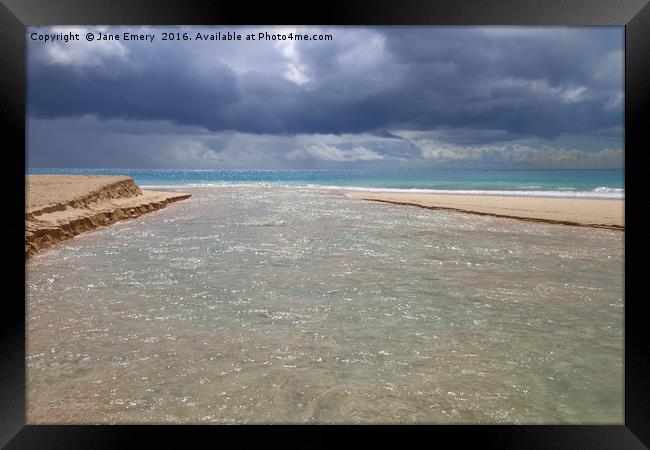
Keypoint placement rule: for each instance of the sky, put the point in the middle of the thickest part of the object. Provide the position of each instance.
(377, 97)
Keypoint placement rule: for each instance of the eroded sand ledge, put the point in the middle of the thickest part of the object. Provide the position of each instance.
(60, 207)
(595, 213)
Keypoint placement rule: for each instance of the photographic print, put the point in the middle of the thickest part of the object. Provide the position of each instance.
(325, 225)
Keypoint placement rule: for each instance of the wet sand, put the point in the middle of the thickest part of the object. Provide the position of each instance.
(597, 213)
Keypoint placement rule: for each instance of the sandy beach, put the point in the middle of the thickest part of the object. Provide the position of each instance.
(59, 207)
(597, 213)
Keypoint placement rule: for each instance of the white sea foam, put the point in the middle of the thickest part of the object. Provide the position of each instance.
(600, 192)
(563, 192)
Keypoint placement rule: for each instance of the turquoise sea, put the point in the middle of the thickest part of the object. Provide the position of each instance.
(564, 183)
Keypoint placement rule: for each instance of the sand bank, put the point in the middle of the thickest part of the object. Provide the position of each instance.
(598, 213)
(59, 207)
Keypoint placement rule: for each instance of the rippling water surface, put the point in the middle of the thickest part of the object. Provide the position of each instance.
(277, 304)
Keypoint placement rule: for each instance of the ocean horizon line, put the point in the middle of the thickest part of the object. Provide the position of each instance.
(422, 169)
(604, 183)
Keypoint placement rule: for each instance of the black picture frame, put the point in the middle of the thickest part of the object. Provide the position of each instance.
(16, 15)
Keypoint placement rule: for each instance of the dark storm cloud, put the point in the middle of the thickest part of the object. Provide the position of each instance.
(162, 91)
(522, 82)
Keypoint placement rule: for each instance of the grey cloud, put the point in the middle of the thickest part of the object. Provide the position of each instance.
(511, 155)
(372, 97)
(90, 142)
(330, 153)
(364, 80)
